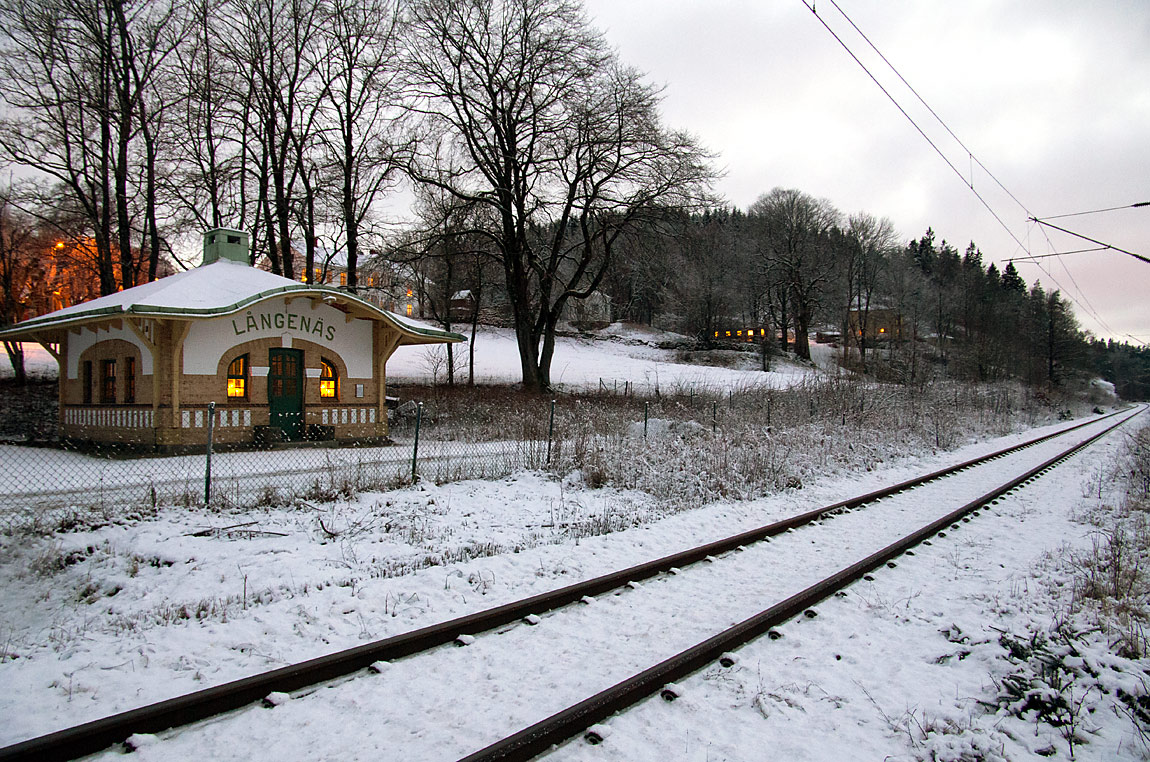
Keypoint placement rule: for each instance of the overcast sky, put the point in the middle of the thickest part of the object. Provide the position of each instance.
(1052, 97)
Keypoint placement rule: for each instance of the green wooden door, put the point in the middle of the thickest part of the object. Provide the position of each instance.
(285, 391)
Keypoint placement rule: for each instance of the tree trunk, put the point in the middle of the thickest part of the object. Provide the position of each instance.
(16, 355)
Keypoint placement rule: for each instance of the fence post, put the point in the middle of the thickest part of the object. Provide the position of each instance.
(714, 417)
(646, 411)
(550, 432)
(208, 463)
(415, 447)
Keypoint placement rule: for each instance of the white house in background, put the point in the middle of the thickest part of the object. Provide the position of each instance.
(279, 358)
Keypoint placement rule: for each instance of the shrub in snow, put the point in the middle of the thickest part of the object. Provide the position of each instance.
(662, 427)
(1101, 392)
(1051, 684)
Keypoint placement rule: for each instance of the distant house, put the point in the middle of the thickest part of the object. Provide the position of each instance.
(388, 285)
(881, 324)
(743, 333)
(274, 358)
(462, 305)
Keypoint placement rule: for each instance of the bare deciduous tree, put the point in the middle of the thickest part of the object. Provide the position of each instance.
(523, 110)
(870, 243)
(795, 229)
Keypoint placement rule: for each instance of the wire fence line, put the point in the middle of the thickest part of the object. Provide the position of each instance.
(54, 488)
(48, 486)
(703, 443)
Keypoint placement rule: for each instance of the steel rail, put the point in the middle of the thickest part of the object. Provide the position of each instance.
(564, 725)
(96, 735)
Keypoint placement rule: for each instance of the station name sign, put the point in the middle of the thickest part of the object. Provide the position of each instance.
(283, 320)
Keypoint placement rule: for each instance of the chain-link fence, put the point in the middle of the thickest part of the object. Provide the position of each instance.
(692, 445)
(51, 487)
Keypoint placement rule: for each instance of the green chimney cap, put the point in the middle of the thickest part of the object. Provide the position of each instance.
(222, 243)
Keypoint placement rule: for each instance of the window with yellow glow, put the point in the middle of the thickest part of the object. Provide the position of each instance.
(343, 279)
(328, 380)
(238, 378)
(409, 310)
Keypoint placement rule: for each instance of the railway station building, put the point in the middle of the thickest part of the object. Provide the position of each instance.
(280, 360)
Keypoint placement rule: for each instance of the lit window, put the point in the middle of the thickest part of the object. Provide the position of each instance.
(328, 381)
(728, 334)
(238, 378)
(129, 379)
(409, 310)
(343, 279)
(739, 333)
(108, 387)
(882, 330)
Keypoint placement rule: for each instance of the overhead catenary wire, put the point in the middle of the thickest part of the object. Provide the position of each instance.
(1059, 253)
(1087, 308)
(970, 154)
(1097, 211)
(915, 124)
(1092, 240)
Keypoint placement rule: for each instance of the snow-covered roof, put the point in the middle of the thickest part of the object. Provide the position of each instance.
(220, 288)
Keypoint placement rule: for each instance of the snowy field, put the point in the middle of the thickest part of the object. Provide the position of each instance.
(907, 666)
(620, 353)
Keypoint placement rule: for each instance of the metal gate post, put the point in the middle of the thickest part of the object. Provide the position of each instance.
(415, 447)
(208, 464)
(550, 432)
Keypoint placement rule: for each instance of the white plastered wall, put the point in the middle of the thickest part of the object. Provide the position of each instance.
(303, 319)
(78, 343)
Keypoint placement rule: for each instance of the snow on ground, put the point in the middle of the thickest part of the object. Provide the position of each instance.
(103, 620)
(38, 364)
(904, 667)
(622, 353)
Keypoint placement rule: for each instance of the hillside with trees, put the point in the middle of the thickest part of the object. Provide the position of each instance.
(543, 172)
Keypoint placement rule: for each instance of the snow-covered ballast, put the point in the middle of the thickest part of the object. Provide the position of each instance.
(281, 360)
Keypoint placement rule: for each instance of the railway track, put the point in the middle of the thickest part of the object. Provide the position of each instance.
(663, 597)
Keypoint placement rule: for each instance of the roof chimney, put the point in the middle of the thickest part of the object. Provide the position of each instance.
(222, 243)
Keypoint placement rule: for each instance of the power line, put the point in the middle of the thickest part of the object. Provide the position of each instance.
(970, 154)
(1058, 254)
(910, 119)
(1092, 240)
(1086, 308)
(1098, 211)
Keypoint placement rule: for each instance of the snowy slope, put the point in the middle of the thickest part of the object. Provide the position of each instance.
(584, 363)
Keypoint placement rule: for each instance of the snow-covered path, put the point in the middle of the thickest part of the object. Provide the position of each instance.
(419, 708)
